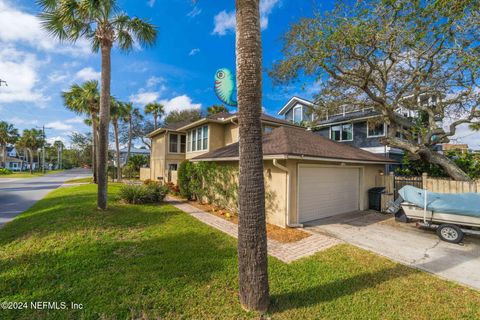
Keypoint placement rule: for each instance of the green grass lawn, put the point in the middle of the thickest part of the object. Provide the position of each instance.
(26, 174)
(80, 180)
(154, 262)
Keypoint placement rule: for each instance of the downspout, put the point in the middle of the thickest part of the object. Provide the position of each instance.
(287, 200)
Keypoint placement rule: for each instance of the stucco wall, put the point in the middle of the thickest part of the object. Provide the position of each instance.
(230, 134)
(160, 158)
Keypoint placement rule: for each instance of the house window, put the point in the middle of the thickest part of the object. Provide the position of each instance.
(297, 114)
(176, 143)
(198, 139)
(375, 130)
(172, 167)
(342, 132)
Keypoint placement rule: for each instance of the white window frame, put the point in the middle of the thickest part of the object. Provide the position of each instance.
(301, 113)
(199, 139)
(376, 136)
(172, 163)
(179, 143)
(341, 136)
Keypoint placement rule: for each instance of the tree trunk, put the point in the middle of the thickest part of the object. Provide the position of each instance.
(117, 147)
(31, 160)
(447, 165)
(252, 238)
(129, 148)
(94, 146)
(155, 121)
(4, 156)
(102, 155)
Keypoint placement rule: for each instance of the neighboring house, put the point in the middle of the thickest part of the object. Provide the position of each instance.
(455, 147)
(307, 176)
(12, 152)
(177, 142)
(133, 151)
(14, 164)
(358, 128)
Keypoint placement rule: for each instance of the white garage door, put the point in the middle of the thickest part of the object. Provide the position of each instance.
(327, 191)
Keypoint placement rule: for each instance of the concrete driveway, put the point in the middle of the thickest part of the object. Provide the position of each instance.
(17, 195)
(406, 244)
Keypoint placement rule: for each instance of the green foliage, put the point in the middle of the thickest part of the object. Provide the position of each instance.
(216, 109)
(143, 193)
(4, 171)
(186, 115)
(138, 161)
(467, 161)
(216, 184)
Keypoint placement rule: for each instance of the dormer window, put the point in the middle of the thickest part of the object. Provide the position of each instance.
(297, 114)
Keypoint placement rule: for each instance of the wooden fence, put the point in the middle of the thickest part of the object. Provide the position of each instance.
(441, 185)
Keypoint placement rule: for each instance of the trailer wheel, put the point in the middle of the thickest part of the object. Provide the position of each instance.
(450, 233)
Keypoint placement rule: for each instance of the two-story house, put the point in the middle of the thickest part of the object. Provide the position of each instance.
(351, 126)
(177, 142)
(307, 176)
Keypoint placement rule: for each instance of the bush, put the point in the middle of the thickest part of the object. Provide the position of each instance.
(143, 193)
(184, 177)
(4, 171)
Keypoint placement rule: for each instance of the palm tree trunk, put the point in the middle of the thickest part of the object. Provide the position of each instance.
(252, 237)
(94, 146)
(129, 148)
(102, 156)
(117, 147)
(31, 160)
(155, 116)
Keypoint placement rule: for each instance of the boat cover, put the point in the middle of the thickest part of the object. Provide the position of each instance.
(465, 204)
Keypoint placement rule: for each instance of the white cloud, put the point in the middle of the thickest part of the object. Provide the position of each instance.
(20, 122)
(59, 125)
(52, 140)
(194, 12)
(194, 51)
(58, 76)
(75, 120)
(150, 3)
(225, 21)
(22, 27)
(153, 81)
(88, 73)
(144, 97)
(20, 70)
(179, 103)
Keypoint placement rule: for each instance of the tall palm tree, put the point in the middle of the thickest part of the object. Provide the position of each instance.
(129, 115)
(8, 135)
(117, 112)
(84, 99)
(252, 238)
(101, 22)
(157, 110)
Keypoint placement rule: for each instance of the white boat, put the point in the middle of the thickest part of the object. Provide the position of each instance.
(452, 215)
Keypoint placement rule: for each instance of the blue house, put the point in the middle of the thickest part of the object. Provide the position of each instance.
(360, 128)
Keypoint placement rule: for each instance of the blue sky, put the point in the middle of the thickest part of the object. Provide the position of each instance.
(194, 41)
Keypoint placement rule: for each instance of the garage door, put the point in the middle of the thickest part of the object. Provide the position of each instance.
(327, 191)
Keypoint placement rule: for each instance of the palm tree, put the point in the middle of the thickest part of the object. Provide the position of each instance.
(117, 112)
(101, 22)
(157, 110)
(216, 109)
(59, 146)
(31, 140)
(252, 238)
(84, 99)
(130, 114)
(8, 135)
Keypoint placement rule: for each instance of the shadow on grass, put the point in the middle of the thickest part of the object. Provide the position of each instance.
(115, 277)
(331, 291)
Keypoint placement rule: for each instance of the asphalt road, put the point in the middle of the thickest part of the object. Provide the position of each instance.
(17, 195)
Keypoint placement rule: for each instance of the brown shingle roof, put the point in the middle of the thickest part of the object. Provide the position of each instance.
(300, 142)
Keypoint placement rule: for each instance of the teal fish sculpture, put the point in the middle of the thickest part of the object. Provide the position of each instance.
(225, 87)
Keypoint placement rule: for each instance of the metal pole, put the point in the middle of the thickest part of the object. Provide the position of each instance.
(43, 151)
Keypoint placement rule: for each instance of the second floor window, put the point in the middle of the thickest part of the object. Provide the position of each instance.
(375, 129)
(297, 114)
(177, 143)
(197, 139)
(342, 132)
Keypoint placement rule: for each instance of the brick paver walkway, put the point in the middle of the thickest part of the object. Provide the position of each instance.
(286, 252)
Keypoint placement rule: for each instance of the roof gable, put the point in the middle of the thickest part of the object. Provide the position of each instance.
(293, 102)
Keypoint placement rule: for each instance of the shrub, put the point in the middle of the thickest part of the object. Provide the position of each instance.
(184, 178)
(4, 171)
(143, 193)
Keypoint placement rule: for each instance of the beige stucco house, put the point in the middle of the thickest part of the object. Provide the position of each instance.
(307, 176)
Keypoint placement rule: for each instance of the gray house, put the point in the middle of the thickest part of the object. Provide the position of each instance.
(358, 128)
